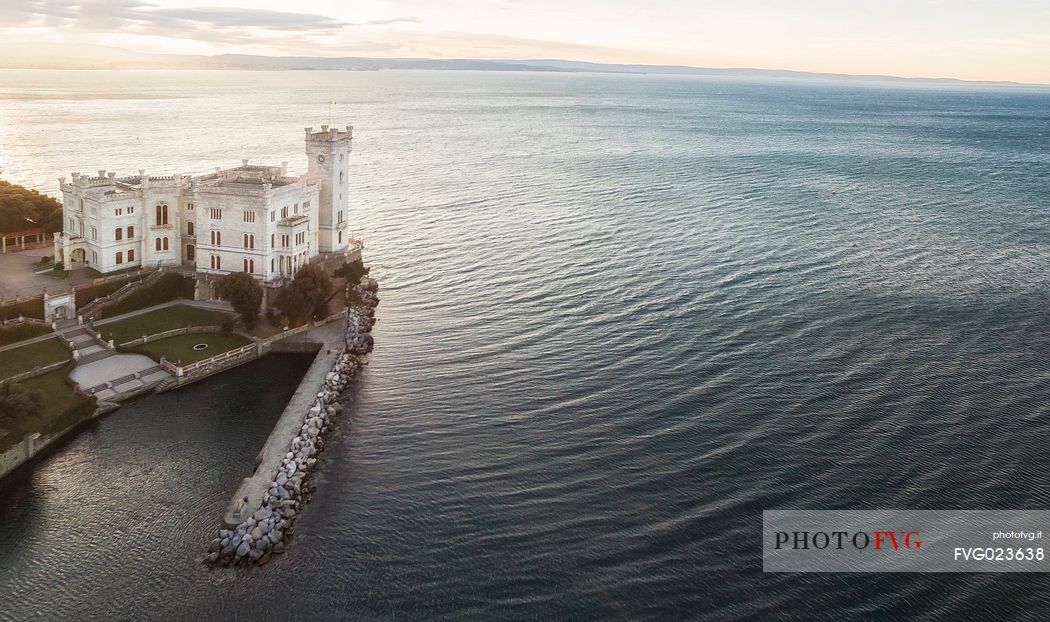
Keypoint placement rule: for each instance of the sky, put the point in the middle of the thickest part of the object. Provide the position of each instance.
(967, 39)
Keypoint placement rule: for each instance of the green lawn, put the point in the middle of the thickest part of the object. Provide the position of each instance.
(62, 407)
(25, 358)
(161, 320)
(179, 349)
(21, 332)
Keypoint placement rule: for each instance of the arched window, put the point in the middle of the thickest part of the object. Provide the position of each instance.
(131, 255)
(189, 228)
(272, 264)
(120, 257)
(131, 232)
(189, 252)
(162, 214)
(273, 239)
(156, 243)
(245, 265)
(340, 237)
(165, 243)
(118, 233)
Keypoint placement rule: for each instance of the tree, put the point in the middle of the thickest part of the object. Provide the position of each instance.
(306, 296)
(22, 208)
(244, 293)
(351, 271)
(18, 403)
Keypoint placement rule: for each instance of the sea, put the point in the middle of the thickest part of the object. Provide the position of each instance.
(621, 316)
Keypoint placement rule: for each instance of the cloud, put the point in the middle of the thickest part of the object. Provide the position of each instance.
(409, 19)
(202, 23)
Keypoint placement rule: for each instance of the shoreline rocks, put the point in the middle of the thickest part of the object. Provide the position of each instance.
(266, 531)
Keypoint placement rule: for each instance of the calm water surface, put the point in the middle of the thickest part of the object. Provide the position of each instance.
(621, 316)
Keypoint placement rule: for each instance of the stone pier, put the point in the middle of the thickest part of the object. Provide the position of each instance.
(330, 340)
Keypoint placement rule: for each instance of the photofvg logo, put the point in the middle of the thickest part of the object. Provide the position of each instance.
(904, 541)
(860, 540)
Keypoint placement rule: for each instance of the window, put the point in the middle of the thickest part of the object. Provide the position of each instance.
(340, 176)
(284, 241)
(284, 212)
(94, 257)
(340, 237)
(216, 238)
(131, 255)
(216, 213)
(156, 243)
(189, 252)
(249, 216)
(249, 265)
(249, 241)
(94, 233)
(131, 209)
(189, 228)
(131, 232)
(306, 206)
(216, 262)
(340, 216)
(295, 208)
(120, 257)
(273, 239)
(118, 212)
(162, 214)
(189, 207)
(81, 204)
(118, 233)
(273, 215)
(271, 264)
(165, 243)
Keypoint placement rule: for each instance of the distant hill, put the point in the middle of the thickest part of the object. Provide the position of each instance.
(99, 57)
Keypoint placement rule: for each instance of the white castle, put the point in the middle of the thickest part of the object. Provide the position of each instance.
(254, 219)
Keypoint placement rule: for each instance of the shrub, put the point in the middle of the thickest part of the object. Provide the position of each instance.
(351, 271)
(306, 296)
(18, 403)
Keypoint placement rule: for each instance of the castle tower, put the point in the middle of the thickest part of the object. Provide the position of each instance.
(328, 153)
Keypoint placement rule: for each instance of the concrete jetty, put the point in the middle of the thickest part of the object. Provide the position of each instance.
(249, 496)
(260, 516)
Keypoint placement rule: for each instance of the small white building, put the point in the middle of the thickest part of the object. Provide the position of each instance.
(254, 219)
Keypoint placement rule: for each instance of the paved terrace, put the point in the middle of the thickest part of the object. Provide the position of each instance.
(107, 374)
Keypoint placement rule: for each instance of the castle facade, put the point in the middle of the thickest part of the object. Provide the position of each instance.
(254, 219)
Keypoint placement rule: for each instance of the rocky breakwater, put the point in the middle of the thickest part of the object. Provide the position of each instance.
(266, 531)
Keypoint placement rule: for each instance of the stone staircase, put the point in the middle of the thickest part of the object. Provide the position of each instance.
(88, 347)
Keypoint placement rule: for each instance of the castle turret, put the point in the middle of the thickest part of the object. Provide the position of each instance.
(328, 153)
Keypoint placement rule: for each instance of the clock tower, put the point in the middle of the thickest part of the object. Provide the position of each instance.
(328, 154)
